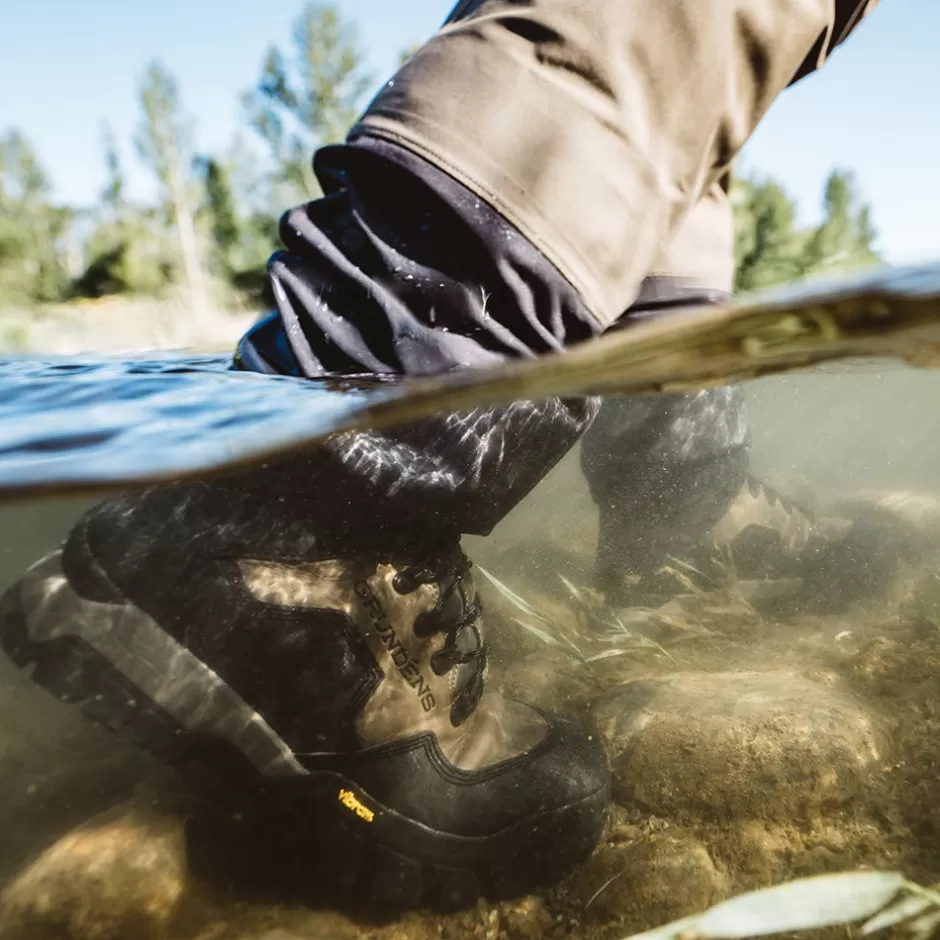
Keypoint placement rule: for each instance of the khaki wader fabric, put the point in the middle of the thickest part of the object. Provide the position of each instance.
(597, 126)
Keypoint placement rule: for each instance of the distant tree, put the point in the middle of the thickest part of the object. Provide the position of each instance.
(246, 174)
(127, 249)
(163, 142)
(32, 229)
(846, 237)
(310, 97)
(106, 272)
(258, 202)
(219, 206)
(770, 249)
(112, 196)
(767, 245)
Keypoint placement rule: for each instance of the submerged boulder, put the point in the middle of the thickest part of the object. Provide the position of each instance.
(736, 745)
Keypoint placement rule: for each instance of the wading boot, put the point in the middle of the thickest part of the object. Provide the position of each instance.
(350, 686)
(766, 537)
(790, 557)
(766, 533)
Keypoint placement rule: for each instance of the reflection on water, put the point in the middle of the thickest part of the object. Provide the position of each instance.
(84, 422)
(763, 683)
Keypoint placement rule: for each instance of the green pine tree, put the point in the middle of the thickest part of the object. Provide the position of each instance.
(311, 97)
(770, 249)
(224, 223)
(163, 142)
(33, 230)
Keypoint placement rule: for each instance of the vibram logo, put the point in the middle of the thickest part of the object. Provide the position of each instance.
(348, 799)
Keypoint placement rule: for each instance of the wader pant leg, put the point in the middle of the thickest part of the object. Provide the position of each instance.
(663, 471)
(506, 195)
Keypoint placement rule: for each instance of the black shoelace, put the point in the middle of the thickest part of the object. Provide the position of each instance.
(457, 621)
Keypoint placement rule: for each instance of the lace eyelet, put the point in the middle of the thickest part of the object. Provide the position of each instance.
(408, 580)
(402, 583)
(441, 663)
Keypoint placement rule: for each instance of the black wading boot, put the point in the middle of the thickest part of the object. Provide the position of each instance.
(350, 686)
(820, 565)
(763, 534)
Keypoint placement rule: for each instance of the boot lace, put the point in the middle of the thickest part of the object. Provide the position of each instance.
(454, 618)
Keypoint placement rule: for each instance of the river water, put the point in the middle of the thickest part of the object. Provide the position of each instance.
(805, 736)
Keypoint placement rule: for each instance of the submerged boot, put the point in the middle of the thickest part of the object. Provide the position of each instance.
(832, 561)
(820, 564)
(765, 535)
(350, 686)
(766, 532)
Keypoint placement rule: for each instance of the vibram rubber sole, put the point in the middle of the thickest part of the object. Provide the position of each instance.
(366, 851)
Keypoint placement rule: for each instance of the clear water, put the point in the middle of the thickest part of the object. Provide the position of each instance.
(80, 422)
(764, 786)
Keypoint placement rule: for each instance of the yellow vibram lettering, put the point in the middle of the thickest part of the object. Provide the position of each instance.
(348, 799)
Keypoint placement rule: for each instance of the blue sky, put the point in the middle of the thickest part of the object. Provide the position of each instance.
(66, 65)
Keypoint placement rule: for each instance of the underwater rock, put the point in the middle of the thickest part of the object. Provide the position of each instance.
(735, 745)
(57, 769)
(876, 663)
(650, 882)
(525, 919)
(257, 925)
(122, 875)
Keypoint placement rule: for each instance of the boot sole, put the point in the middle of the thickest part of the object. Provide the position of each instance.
(368, 852)
(123, 671)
